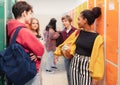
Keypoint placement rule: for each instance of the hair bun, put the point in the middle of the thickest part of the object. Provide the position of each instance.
(96, 11)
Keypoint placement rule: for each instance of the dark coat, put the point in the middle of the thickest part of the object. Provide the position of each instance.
(64, 35)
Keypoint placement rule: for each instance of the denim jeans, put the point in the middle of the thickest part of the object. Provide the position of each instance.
(67, 67)
(50, 60)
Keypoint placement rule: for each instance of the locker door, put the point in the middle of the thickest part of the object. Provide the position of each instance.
(71, 13)
(112, 42)
(8, 15)
(100, 24)
(119, 44)
(100, 20)
(77, 11)
(2, 41)
(90, 4)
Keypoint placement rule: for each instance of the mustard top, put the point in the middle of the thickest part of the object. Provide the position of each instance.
(96, 66)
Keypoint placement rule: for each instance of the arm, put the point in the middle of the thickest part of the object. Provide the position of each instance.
(29, 41)
(70, 40)
(95, 82)
(53, 34)
(96, 66)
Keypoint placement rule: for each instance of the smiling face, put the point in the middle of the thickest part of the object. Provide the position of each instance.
(66, 23)
(81, 21)
(34, 24)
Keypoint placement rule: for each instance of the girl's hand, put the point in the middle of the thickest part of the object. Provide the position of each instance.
(95, 82)
(55, 59)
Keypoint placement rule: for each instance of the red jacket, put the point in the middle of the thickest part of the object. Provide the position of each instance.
(27, 39)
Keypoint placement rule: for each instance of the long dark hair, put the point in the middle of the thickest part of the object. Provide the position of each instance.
(53, 23)
(47, 27)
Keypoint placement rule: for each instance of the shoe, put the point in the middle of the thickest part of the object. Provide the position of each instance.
(49, 71)
(54, 67)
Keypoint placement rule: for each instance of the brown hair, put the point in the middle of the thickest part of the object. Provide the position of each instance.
(67, 17)
(19, 7)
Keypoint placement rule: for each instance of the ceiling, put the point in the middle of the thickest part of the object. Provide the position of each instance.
(53, 6)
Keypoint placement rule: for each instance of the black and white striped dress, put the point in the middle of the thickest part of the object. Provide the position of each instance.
(79, 72)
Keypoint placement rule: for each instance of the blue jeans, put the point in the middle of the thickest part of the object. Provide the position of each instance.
(50, 60)
(67, 67)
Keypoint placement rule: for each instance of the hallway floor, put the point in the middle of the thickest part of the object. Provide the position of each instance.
(58, 77)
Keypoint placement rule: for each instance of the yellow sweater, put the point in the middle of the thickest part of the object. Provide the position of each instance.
(96, 66)
(70, 40)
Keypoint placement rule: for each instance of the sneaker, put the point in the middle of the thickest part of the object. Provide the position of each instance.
(54, 67)
(49, 71)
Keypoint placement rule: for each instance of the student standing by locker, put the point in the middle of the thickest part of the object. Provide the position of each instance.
(87, 65)
(67, 31)
(22, 12)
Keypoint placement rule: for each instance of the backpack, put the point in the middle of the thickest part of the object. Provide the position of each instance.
(16, 63)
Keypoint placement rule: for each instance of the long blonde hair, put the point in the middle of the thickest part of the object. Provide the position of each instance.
(38, 29)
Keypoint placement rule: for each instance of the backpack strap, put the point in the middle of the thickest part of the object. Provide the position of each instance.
(13, 40)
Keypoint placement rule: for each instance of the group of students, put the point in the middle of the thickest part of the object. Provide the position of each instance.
(54, 38)
(87, 65)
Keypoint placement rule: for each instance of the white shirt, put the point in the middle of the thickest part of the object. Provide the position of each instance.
(67, 30)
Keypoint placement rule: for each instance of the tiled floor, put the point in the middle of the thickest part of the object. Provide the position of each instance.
(56, 78)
